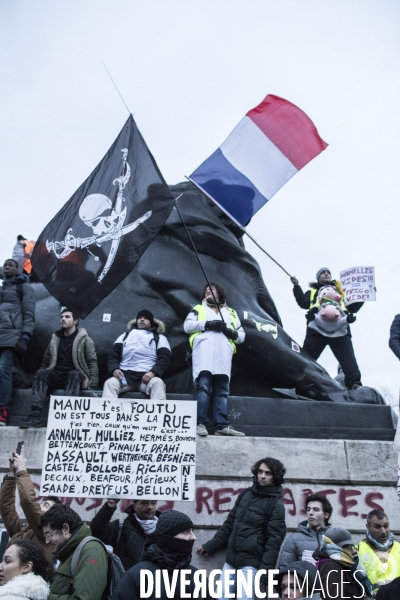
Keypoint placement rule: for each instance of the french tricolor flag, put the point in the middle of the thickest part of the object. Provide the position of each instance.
(270, 145)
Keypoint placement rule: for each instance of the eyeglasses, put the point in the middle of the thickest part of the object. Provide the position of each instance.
(48, 536)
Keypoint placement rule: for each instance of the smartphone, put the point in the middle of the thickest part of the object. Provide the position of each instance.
(20, 444)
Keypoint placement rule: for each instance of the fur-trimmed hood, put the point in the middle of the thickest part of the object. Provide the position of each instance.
(21, 587)
(160, 326)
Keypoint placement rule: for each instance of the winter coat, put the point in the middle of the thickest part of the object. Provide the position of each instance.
(338, 573)
(17, 317)
(15, 527)
(305, 538)
(91, 576)
(162, 355)
(83, 355)
(129, 586)
(394, 339)
(391, 591)
(21, 587)
(252, 540)
(307, 572)
(129, 547)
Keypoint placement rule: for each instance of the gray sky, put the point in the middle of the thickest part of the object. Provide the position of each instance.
(189, 71)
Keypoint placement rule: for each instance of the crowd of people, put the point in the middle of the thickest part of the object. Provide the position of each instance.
(56, 556)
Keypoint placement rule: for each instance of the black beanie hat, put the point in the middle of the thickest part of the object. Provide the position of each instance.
(147, 314)
(169, 524)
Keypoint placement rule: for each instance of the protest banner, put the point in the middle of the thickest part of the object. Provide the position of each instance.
(358, 284)
(114, 448)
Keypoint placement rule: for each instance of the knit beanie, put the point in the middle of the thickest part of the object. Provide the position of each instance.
(322, 270)
(169, 524)
(147, 314)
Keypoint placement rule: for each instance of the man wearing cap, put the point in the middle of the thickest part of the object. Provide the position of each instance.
(379, 552)
(70, 363)
(171, 552)
(139, 358)
(339, 567)
(338, 340)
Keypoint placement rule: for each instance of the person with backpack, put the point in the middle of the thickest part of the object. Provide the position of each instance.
(214, 329)
(255, 527)
(139, 358)
(127, 536)
(17, 321)
(80, 575)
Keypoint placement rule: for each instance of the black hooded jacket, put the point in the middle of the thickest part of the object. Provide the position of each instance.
(130, 545)
(254, 529)
(155, 558)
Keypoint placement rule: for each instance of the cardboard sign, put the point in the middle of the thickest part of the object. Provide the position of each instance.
(114, 448)
(358, 284)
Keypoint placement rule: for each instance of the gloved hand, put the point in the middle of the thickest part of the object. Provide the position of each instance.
(310, 315)
(215, 326)
(231, 334)
(351, 318)
(21, 347)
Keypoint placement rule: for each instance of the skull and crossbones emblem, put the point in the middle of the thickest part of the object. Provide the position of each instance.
(104, 219)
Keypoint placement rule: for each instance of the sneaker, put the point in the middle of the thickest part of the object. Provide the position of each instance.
(228, 430)
(201, 430)
(34, 420)
(3, 416)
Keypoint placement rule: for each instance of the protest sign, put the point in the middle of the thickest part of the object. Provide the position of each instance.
(114, 448)
(358, 284)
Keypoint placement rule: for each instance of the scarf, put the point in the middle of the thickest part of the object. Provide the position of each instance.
(382, 547)
(165, 559)
(352, 563)
(148, 525)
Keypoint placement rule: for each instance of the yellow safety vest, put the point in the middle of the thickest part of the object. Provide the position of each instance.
(381, 567)
(201, 316)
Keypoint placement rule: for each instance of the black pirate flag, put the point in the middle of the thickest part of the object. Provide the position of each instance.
(98, 236)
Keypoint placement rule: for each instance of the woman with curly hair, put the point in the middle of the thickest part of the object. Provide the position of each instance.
(255, 527)
(25, 572)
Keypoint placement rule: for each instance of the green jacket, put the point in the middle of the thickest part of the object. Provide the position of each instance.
(91, 577)
(83, 355)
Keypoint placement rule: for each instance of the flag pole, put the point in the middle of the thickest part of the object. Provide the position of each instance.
(237, 223)
(265, 252)
(197, 255)
(120, 95)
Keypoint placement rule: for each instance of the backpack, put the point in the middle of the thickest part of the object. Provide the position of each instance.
(115, 569)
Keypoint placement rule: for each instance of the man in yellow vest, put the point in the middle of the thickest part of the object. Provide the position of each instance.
(339, 340)
(214, 330)
(379, 552)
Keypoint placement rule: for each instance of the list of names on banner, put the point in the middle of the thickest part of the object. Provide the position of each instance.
(114, 448)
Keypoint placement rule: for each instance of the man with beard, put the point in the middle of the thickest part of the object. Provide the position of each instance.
(63, 531)
(128, 538)
(172, 551)
(255, 527)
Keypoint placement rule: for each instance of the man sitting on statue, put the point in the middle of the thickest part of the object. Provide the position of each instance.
(139, 358)
(69, 362)
(214, 330)
(339, 340)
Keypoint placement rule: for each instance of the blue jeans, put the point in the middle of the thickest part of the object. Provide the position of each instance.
(215, 387)
(6, 365)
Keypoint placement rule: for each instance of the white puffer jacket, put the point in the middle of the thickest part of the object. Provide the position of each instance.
(21, 587)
